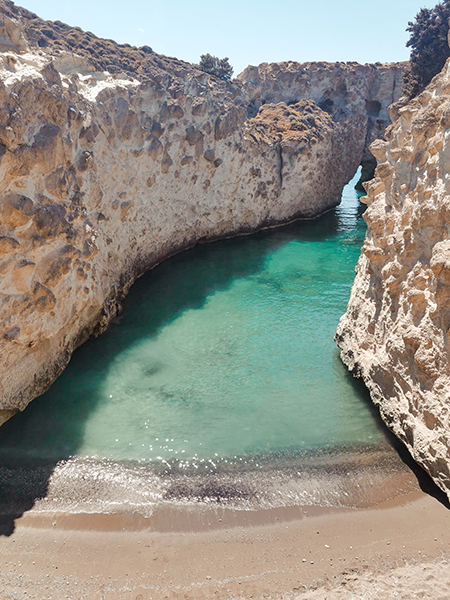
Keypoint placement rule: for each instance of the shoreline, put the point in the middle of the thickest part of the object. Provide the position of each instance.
(321, 554)
(193, 518)
(107, 496)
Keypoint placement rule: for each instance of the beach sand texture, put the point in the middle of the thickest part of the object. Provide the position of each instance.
(397, 549)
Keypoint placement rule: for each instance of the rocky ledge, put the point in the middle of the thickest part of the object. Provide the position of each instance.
(113, 158)
(395, 334)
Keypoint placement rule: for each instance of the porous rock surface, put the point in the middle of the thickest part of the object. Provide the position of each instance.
(113, 158)
(395, 333)
(343, 90)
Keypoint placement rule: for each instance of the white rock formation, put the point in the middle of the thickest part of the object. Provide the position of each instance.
(102, 176)
(395, 334)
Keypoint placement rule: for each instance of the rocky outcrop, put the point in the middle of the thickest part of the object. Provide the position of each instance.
(341, 89)
(104, 173)
(395, 334)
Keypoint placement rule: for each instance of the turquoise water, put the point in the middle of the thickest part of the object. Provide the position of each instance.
(223, 355)
(224, 350)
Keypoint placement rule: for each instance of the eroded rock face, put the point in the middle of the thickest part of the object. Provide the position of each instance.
(103, 175)
(395, 334)
(344, 90)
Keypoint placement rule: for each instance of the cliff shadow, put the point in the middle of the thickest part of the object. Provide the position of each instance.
(425, 482)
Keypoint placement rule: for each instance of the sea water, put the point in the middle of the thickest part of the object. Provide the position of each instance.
(220, 382)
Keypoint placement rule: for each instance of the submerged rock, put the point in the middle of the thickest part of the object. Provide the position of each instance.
(113, 158)
(395, 333)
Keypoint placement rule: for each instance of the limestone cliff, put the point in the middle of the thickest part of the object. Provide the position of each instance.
(395, 334)
(342, 90)
(113, 158)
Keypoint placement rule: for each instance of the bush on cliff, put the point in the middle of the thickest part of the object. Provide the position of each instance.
(429, 47)
(218, 67)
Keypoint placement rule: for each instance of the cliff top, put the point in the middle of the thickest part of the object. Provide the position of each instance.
(302, 122)
(103, 54)
(57, 37)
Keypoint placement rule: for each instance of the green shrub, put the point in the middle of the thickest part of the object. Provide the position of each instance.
(218, 67)
(429, 47)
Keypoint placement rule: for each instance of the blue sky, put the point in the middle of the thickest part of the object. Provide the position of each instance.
(247, 31)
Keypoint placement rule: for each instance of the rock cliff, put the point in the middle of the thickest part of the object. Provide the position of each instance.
(113, 158)
(395, 334)
(343, 90)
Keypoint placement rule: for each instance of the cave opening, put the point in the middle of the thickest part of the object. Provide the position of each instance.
(327, 105)
(373, 108)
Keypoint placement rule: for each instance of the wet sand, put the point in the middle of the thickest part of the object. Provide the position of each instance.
(395, 549)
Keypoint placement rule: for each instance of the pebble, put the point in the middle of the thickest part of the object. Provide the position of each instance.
(327, 546)
(303, 559)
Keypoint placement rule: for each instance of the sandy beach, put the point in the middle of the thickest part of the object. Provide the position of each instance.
(396, 549)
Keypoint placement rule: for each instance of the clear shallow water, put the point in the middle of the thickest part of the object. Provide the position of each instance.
(223, 366)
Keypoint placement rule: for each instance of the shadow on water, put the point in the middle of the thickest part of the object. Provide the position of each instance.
(32, 443)
(52, 427)
(427, 485)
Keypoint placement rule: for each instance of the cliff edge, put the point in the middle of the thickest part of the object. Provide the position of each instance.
(395, 333)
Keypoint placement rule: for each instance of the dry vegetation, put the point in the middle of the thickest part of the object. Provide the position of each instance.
(303, 122)
(105, 55)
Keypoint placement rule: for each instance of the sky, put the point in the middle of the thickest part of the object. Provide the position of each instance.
(248, 32)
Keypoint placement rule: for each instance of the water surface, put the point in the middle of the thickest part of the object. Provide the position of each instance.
(221, 381)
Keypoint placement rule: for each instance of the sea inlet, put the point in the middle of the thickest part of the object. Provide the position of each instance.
(219, 385)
